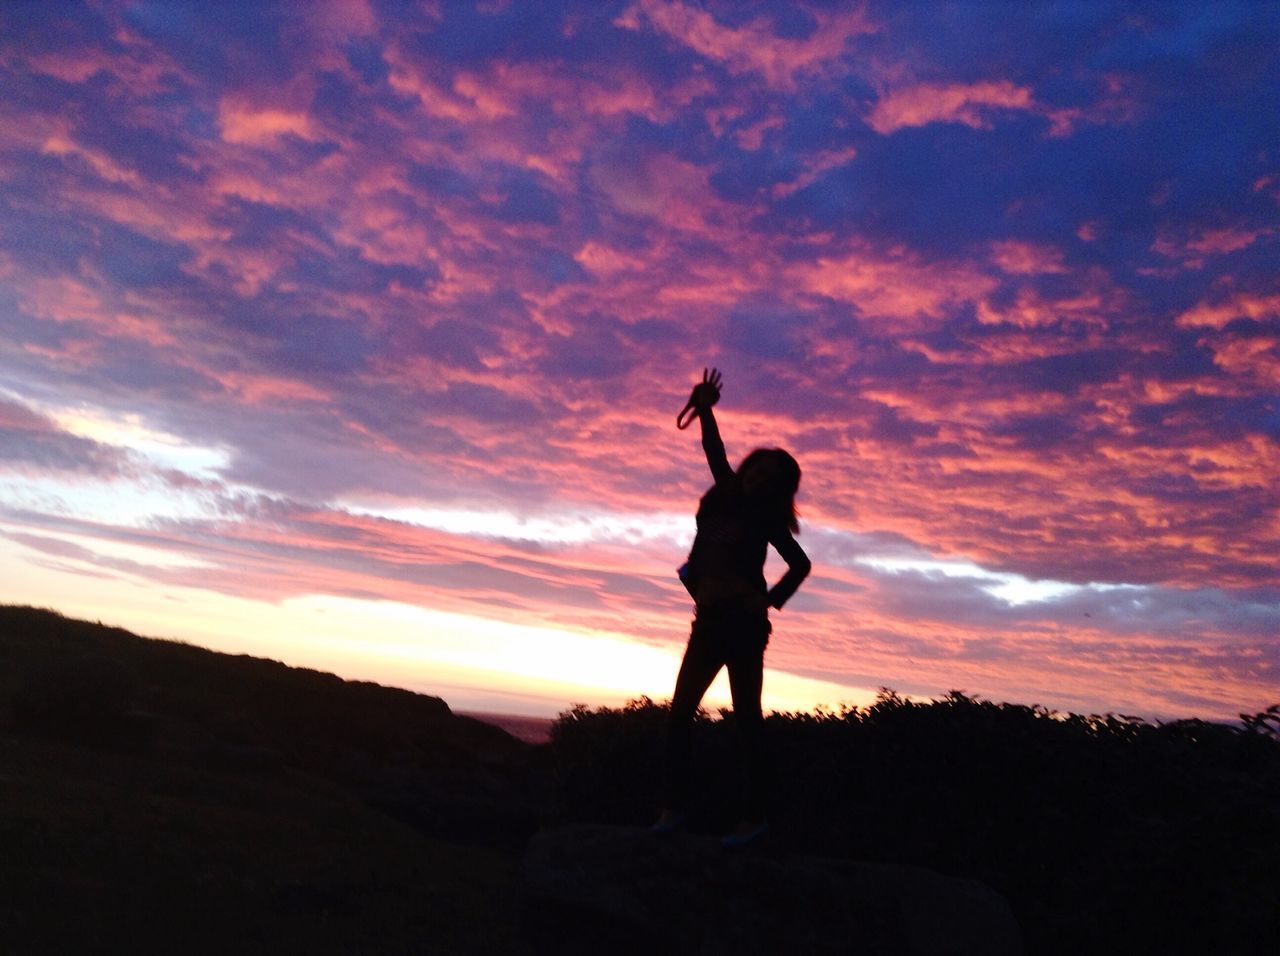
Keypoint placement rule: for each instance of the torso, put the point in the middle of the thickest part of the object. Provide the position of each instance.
(727, 560)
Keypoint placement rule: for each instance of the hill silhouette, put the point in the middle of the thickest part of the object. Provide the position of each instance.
(159, 797)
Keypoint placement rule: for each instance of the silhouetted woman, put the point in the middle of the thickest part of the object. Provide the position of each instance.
(738, 518)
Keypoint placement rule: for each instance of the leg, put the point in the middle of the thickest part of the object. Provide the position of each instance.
(746, 679)
(697, 671)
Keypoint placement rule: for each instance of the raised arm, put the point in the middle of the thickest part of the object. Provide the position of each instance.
(705, 394)
(714, 446)
(798, 567)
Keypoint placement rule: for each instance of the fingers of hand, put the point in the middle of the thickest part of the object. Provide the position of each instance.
(707, 392)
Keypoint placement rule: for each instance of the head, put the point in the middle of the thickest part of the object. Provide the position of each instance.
(771, 477)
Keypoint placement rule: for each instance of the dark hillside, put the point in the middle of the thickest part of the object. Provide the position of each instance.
(158, 797)
(117, 853)
(64, 676)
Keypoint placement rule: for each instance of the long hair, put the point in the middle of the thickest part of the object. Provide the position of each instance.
(781, 506)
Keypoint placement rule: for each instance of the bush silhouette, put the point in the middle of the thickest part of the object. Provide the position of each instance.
(1100, 829)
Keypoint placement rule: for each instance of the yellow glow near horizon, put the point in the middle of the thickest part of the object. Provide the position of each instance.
(474, 663)
(566, 526)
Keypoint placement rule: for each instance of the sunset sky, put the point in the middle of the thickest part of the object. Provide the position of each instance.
(353, 334)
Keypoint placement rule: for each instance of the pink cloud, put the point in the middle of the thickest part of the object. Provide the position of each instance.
(1269, 185)
(1089, 301)
(968, 103)
(250, 124)
(978, 104)
(752, 137)
(820, 163)
(1027, 258)
(1216, 314)
(58, 144)
(753, 47)
(1253, 360)
(603, 260)
(894, 285)
(1195, 248)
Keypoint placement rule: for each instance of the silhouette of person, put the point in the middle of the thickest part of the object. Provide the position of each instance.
(743, 513)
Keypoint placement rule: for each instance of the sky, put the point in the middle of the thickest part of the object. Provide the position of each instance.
(353, 333)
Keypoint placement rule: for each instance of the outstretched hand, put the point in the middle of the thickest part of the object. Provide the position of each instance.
(707, 392)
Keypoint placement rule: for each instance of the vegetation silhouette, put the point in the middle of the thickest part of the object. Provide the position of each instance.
(1105, 832)
(159, 797)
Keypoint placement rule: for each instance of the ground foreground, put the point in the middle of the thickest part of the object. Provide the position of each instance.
(156, 797)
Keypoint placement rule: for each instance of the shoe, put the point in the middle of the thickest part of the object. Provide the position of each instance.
(670, 822)
(747, 834)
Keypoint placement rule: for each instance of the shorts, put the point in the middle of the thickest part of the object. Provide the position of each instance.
(730, 628)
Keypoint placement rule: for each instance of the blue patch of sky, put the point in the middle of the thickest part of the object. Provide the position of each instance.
(472, 36)
(441, 180)
(364, 55)
(134, 260)
(526, 199)
(220, 41)
(320, 344)
(593, 352)
(46, 243)
(554, 266)
(160, 156)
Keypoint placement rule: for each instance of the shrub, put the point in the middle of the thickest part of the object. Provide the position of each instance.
(1151, 836)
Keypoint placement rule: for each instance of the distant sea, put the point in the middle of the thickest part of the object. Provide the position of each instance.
(534, 730)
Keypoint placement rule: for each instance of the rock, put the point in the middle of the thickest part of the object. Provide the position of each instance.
(592, 888)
